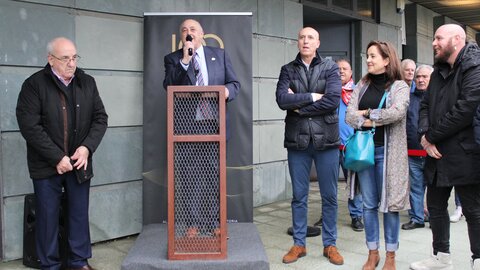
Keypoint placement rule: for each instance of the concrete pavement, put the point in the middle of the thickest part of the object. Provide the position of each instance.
(272, 222)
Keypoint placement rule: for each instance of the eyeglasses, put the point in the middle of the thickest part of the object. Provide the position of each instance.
(66, 59)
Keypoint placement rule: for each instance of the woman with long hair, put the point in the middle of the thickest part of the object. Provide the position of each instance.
(384, 186)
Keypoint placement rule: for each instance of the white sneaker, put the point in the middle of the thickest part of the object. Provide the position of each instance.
(457, 215)
(476, 264)
(441, 261)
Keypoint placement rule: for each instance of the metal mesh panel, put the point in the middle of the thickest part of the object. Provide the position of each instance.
(197, 215)
(196, 176)
(195, 113)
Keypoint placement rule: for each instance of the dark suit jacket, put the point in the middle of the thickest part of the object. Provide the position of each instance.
(219, 67)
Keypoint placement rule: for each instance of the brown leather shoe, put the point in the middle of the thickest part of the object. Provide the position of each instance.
(294, 254)
(389, 261)
(85, 267)
(332, 254)
(372, 261)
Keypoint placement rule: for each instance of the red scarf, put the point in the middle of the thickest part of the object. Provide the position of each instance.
(347, 90)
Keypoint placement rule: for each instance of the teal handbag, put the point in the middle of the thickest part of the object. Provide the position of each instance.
(359, 151)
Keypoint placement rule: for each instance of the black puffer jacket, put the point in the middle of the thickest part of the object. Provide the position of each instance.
(307, 120)
(446, 116)
(41, 120)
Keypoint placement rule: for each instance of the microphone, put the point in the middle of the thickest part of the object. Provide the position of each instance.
(190, 51)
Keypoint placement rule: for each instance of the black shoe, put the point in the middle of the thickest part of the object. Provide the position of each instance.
(412, 225)
(357, 224)
(318, 223)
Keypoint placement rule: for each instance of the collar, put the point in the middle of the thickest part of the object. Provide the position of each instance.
(65, 82)
(200, 52)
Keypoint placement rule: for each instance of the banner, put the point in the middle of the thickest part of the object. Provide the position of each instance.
(232, 32)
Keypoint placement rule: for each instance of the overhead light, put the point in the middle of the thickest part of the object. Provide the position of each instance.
(458, 2)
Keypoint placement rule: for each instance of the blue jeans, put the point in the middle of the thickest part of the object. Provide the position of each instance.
(355, 205)
(417, 189)
(371, 184)
(326, 164)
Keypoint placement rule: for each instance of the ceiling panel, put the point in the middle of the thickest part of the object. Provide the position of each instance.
(466, 12)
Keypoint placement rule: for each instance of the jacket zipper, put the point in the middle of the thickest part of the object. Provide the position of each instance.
(65, 123)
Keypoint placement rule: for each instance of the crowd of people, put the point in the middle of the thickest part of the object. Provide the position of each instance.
(427, 135)
(423, 120)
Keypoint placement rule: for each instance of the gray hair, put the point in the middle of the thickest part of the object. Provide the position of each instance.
(407, 61)
(181, 25)
(428, 67)
(50, 46)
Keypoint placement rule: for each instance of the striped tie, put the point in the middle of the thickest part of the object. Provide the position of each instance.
(204, 106)
(198, 70)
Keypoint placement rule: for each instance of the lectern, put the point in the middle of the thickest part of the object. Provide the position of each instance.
(196, 160)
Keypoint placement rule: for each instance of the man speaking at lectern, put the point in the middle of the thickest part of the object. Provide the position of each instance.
(200, 65)
(196, 64)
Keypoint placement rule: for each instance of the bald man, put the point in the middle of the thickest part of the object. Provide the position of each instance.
(62, 118)
(453, 158)
(309, 89)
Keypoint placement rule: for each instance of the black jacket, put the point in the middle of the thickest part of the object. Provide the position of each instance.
(446, 116)
(41, 120)
(476, 125)
(413, 140)
(307, 120)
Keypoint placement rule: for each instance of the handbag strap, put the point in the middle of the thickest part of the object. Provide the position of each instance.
(383, 99)
(373, 129)
(381, 104)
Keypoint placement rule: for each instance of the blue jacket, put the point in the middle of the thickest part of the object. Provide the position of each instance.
(413, 138)
(307, 120)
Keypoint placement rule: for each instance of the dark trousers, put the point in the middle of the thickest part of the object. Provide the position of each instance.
(437, 202)
(48, 194)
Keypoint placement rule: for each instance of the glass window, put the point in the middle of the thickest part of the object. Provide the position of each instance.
(323, 2)
(346, 4)
(365, 8)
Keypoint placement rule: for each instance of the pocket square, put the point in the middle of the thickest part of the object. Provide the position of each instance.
(213, 58)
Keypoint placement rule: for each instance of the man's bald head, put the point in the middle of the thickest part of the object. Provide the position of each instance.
(308, 43)
(309, 30)
(453, 30)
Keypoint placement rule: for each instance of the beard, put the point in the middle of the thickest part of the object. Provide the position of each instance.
(443, 55)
